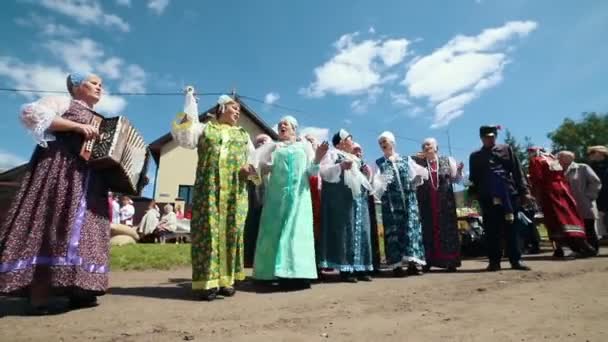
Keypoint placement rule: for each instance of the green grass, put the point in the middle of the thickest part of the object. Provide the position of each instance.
(149, 257)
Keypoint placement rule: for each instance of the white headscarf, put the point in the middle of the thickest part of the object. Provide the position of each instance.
(388, 136)
(223, 100)
(291, 120)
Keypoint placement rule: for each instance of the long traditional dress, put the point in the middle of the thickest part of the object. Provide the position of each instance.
(395, 182)
(58, 230)
(285, 247)
(315, 191)
(438, 213)
(345, 229)
(559, 206)
(375, 230)
(252, 223)
(219, 206)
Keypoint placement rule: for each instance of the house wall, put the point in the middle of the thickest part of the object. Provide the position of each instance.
(177, 165)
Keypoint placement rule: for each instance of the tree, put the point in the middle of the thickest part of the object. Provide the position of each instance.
(521, 151)
(577, 136)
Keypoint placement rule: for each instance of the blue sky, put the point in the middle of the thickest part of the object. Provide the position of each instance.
(416, 68)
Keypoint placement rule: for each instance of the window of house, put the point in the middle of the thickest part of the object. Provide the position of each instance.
(184, 192)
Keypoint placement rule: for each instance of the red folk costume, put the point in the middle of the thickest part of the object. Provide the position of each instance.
(315, 191)
(554, 194)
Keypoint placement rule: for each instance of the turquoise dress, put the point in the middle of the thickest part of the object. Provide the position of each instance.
(285, 246)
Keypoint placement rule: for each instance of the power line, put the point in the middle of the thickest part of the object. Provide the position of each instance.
(250, 98)
(37, 91)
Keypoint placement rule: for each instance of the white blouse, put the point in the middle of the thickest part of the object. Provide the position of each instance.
(331, 171)
(188, 132)
(37, 116)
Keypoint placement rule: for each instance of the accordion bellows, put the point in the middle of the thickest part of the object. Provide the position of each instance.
(120, 152)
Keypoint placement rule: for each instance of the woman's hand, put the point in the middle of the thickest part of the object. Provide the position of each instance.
(346, 164)
(366, 170)
(246, 171)
(88, 131)
(321, 152)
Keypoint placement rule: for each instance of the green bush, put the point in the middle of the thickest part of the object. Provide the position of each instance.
(149, 256)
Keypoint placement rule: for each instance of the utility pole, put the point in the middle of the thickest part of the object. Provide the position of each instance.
(447, 131)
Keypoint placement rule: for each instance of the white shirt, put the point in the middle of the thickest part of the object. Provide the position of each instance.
(126, 214)
(115, 212)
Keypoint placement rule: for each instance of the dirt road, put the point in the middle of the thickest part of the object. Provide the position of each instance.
(558, 301)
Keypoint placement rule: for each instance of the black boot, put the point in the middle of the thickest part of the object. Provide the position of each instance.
(208, 295)
(363, 276)
(348, 277)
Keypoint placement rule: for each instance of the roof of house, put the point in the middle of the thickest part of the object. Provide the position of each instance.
(156, 145)
(13, 175)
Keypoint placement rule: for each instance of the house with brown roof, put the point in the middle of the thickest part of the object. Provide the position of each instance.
(176, 166)
(10, 180)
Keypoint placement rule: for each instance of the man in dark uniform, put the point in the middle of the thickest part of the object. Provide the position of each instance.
(501, 188)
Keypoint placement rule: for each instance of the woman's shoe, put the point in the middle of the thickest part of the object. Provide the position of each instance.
(208, 295)
(227, 291)
(81, 301)
(363, 276)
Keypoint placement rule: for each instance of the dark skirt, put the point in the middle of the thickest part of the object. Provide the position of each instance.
(57, 231)
(345, 230)
(439, 226)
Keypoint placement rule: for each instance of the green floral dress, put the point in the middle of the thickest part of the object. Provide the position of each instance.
(219, 208)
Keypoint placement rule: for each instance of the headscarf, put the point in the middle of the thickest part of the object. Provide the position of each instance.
(340, 136)
(433, 141)
(388, 136)
(222, 101)
(291, 120)
(74, 80)
(599, 149)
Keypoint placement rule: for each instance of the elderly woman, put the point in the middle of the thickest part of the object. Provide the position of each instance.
(56, 235)
(315, 192)
(168, 222)
(255, 192)
(345, 228)
(585, 185)
(285, 249)
(377, 247)
(553, 193)
(149, 221)
(395, 182)
(438, 207)
(220, 194)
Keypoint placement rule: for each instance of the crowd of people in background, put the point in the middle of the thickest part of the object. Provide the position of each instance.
(306, 206)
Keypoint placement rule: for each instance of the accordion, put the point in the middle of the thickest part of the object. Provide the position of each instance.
(119, 152)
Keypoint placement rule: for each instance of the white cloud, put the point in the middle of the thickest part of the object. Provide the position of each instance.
(46, 77)
(321, 134)
(133, 80)
(86, 56)
(46, 26)
(32, 76)
(371, 30)
(348, 122)
(79, 55)
(86, 12)
(456, 74)
(360, 106)
(158, 6)
(124, 2)
(400, 99)
(111, 68)
(357, 66)
(111, 104)
(271, 98)
(9, 160)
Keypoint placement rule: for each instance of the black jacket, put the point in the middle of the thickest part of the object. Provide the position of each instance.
(479, 163)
